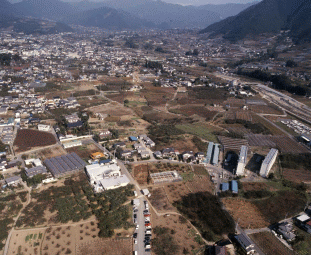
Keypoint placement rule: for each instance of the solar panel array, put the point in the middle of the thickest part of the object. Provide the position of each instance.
(63, 164)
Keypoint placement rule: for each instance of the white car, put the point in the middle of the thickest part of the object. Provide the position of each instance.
(147, 218)
(137, 226)
(135, 241)
(135, 193)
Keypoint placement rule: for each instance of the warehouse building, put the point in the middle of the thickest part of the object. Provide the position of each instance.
(240, 170)
(234, 187)
(215, 154)
(65, 164)
(209, 152)
(268, 163)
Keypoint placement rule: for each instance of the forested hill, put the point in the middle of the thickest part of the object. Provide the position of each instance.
(267, 16)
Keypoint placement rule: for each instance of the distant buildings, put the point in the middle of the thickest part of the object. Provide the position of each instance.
(240, 170)
(268, 163)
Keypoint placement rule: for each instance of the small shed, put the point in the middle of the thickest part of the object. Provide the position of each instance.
(225, 186)
(234, 187)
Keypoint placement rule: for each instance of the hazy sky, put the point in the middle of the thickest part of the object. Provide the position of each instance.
(184, 2)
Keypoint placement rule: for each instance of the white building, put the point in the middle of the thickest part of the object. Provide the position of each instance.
(105, 177)
(71, 144)
(240, 170)
(268, 163)
(42, 127)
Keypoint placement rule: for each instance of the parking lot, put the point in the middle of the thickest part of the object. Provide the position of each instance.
(140, 242)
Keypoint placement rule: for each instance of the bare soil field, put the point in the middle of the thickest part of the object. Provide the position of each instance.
(274, 130)
(159, 200)
(246, 212)
(176, 191)
(266, 109)
(79, 239)
(106, 247)
(91, 101)
(200, 184)
(27, 139)
(181, 231)
(199, 110)
(288, 145)
(200, 170)
(84, 151)
(269, 244)
(141, 171)
(261, 140)
(297, 175)
(50, 153)
(157, 96)
(180, 143)
(112, 109)
(251, 186)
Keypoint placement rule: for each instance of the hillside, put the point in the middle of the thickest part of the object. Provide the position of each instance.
(226, 10)
(167, 15)
(266, 16)
(107, 18)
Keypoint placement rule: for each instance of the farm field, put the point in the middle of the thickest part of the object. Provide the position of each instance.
(232, 143)
(180, 143)
(239, 115)
(201, 130)
(84, 151)
(200, 184)
(266, 109)
(111, 109)
(27, 139)
(91, 101)
(104, 246)
(141, 171)
(297, 175)
(246, 212)
(188, 111)
(253, 186)
(182, 233)
(176, 191)
(269, 244)
(273, 130)
(159, 200)
(157, 96)
(49, 153)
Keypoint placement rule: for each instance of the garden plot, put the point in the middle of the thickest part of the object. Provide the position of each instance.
(232, 143)
(200, 184)
(296, 175)
(175, 191)
(269, 244)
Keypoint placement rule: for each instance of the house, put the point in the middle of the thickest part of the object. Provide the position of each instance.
(31, 172)
(168, 152)
(105, 134)
(125, 154)
(77, 124)
(157, 154)
(13, 181)
(119, 144)
(97, 155)
(186, 155)
(286, 230)
(247, 245)
(199, 155)
(144, 154)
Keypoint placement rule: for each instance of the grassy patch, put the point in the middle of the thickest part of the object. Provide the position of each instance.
(199, 130)
(187, 176)
(302, 245)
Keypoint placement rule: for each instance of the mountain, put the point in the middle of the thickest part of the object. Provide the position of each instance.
(86, 5)
(107, 18)
(264, 17)
(226, 10)
(48, 9)
(165, 14)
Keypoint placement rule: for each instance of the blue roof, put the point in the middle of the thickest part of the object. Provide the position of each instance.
(133, 138)
(209, 152)
(216, 154)
(104, 161)
(234, 186)
(225, 186)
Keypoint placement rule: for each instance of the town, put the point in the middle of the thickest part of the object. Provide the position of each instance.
(153, 142)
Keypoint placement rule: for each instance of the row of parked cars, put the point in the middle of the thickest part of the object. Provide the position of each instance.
(148, 228)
